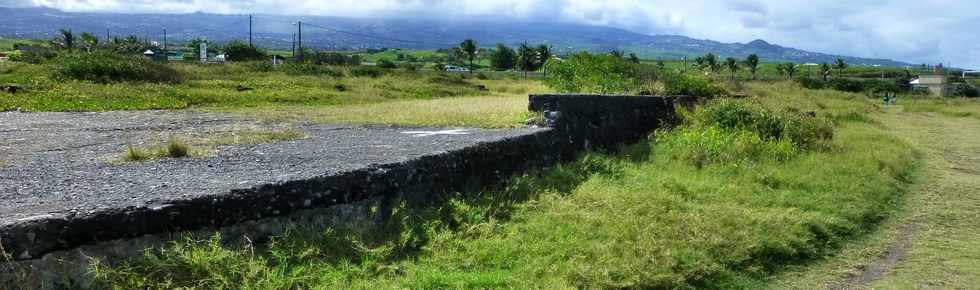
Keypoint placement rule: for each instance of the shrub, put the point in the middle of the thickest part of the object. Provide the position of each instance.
(240, 51)
(135, 154)
(409, 66)
(364, 71)
(386, 64)
(677, 84)
(853, 85)
(33, 54)
(311, 70)
(802, 131)
(336, 58)
(260, 66)
(175, 149)
(966, 90)
(589, 73)
(104, 67)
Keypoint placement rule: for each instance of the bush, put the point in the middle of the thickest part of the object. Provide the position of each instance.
(589, 73)
(851, 85)
(676, 84)
(966, 90)
(409, 66)
(802, 131)
(364, 71)
(336, 58)
(104, 67)
(311, 70)
(386, 64)
(736, 131)
(240, 51)
(33, 54)
(260, 66)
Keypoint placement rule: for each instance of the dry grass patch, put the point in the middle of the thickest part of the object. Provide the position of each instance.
(194, 146)
(487, 112)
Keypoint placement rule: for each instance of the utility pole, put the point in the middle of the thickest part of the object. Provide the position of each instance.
(294, 45)
(107, 36)
(166, 57)
(250, 30)
(685, 65)
(525, 60)
(300, 37)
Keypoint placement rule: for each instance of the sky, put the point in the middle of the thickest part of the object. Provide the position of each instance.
(916, 31)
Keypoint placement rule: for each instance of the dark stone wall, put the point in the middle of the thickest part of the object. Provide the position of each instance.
(590, 122)
(579, 122)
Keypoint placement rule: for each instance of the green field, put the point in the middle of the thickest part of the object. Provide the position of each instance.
(647, 217)
(777, 187)
(240, 87)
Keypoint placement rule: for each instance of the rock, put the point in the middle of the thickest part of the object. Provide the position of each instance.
(11, 88)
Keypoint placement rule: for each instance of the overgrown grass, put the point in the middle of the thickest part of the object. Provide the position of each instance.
(957, 108)
(642, 218)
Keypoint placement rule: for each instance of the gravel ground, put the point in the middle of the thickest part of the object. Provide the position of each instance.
(61, 164)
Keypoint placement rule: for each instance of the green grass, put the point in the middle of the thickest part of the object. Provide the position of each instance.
(642, 218)
(396, 97)
(218, 85)
(8, 43)
(941, 208)
(957, 108)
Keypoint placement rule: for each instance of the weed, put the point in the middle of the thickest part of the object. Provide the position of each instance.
(135, 154)
(175, 149)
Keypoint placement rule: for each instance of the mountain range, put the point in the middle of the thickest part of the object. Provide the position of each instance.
(339, 33)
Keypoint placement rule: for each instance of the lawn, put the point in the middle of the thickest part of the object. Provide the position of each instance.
(699, 206)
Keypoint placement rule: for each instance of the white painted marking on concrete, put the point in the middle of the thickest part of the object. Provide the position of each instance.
(434, 133)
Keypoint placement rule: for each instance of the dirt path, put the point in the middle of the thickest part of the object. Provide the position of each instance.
(937, 244)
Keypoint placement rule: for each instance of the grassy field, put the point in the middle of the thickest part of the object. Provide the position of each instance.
(684, 210)
(932, 243)
(327, 94)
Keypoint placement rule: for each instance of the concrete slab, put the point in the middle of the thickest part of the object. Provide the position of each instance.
(58, 166)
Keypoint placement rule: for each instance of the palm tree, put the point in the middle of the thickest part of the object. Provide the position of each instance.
(840, 65)
(788, 69)
(732, 65)
(526, 58)
(66, 40)
(89, 41)
(711, 60)
(617, 53)
(468, 48)
(825, 69)
(544, 54)
(752, 62)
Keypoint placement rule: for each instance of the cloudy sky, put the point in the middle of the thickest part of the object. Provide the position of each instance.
(918, 31)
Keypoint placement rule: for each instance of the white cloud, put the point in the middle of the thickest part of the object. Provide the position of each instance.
(928, 31)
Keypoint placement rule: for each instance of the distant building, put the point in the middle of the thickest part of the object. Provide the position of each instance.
(936, 84)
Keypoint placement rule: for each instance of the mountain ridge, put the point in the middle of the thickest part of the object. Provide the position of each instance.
(330, 32)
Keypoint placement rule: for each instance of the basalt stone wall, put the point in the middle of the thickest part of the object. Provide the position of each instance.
(603, 121)
(578, 122)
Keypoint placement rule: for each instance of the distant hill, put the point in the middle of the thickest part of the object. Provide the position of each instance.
(348, 33)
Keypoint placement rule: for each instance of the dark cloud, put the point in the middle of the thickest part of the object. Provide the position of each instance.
(928, 31)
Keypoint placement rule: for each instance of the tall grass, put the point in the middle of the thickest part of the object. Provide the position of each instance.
(644, 217)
